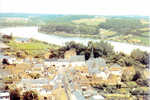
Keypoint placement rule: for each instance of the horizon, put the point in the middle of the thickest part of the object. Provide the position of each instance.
(130, 15)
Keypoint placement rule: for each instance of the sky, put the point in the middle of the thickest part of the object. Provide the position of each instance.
(90, 7)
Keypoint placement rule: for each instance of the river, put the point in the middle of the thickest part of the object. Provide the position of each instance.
(32, 32)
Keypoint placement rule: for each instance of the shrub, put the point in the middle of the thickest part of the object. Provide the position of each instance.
(137, 76)
(131, 84)
(20, 54)
(141, 56)
(103, 48)
(30, 95)
(128, 74)
(140, 91)
(14, 94)
(142, 82)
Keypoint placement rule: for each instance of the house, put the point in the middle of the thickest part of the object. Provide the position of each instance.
(4, 73)
(10, 60)
(22, 40)
(97, 97)
(89, 92)
(146, 74)
(78, 95)
(19, 69)
(42, 86)
(113, 79)
(78, 60)
(2, 85)
(29, 84)
(116, 69)
(70, 53)
(60, 94)
(4, 95)
(103, 75)
(3, 47)
(56, 62)
(38, 68)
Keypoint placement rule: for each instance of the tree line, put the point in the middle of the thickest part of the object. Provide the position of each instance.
(124, 26)
(69, 28)
(105, 50)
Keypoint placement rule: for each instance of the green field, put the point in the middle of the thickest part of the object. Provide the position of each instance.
(32, 48)
(90, 21)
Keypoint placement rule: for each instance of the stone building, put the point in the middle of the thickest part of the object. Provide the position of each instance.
(94, 64)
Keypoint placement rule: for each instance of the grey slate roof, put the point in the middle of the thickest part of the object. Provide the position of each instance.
(77, 58)
(94, 64)
(35, 81)
(78, 95)
(115, 65)
(3, 46)
(4, 73)
(22, 39)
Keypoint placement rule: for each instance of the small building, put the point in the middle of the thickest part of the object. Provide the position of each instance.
(3, 47)
(70, 53)
(116, 69)
(2, 85)
(4, 73)
(10, 60)
(103, 75)
(37, 68)
(78, 60)
(97, 97)
(78, 95)
(30, 84)
(22, 40)
(4, 95)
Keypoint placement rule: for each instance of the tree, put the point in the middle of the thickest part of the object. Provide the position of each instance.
(123, 25)
(140, 56)
(69, 28)
(30, 95)
(14, 94)
(103, 49)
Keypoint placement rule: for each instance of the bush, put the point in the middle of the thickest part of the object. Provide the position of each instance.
(131, 84)
(121, 59)
(142, 82)
(140, 56)
(103, 48)
(20, 54)
(137, 76)
(140, 91)
(30, 95)
(14, 94)
(128, 74)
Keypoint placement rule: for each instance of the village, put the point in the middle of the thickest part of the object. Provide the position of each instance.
(68, 78)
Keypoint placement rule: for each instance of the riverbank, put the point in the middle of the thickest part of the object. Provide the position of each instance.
(32, 32)
(132, 41)
(63, 34)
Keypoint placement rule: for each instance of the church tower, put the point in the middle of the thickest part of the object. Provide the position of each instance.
(92, 54)
(92, 51)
